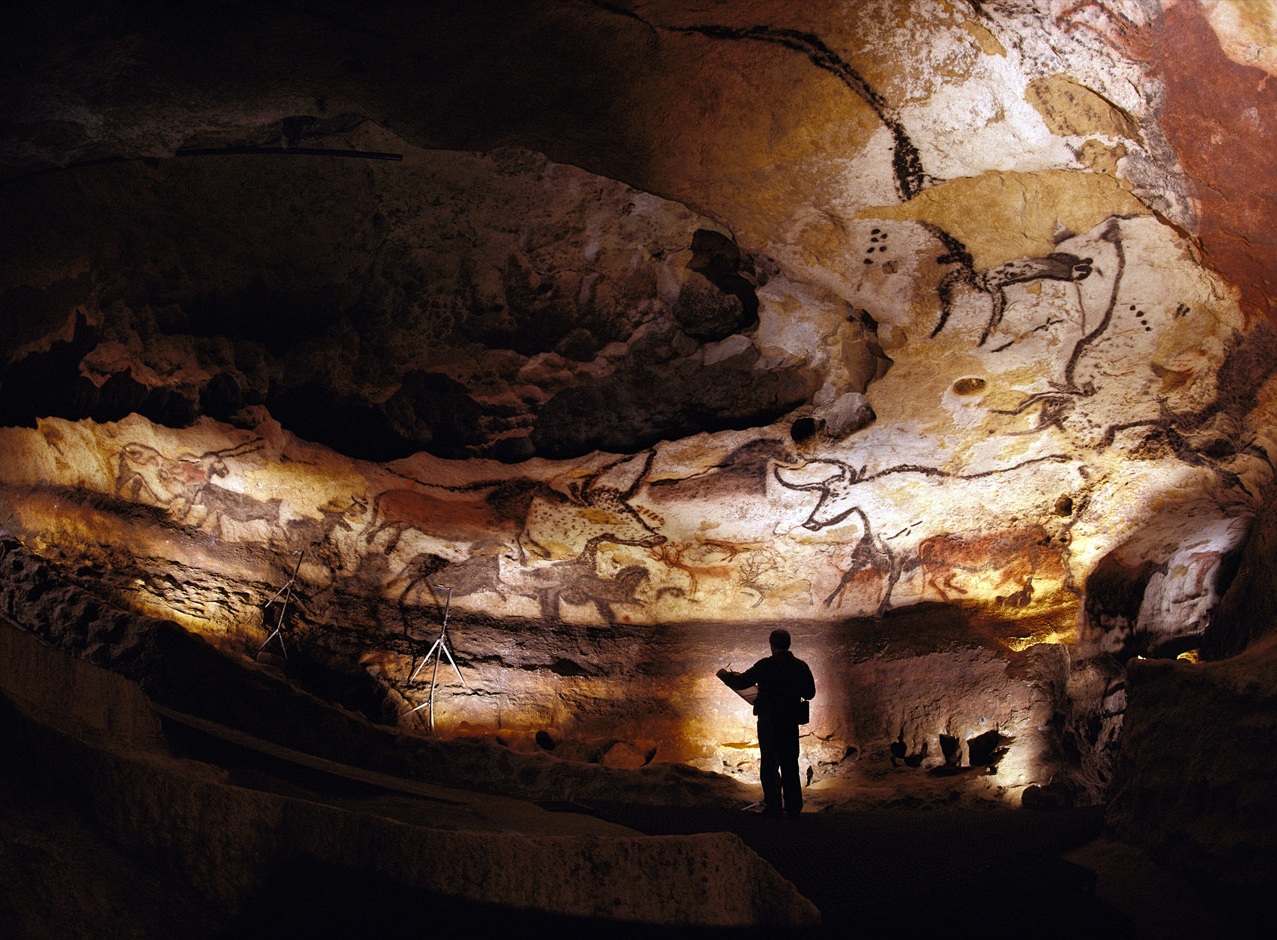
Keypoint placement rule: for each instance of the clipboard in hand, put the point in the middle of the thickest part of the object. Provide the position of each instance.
(748, 694)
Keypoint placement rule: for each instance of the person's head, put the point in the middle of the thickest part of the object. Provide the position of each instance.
(779, 640)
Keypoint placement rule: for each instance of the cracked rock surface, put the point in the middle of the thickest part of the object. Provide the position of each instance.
(624, 332)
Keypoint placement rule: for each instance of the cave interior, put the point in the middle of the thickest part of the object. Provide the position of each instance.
(405, 409)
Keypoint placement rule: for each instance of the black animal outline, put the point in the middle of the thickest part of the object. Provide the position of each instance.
(910, 176)
(516, 500)
(172, 483)
(1057, 266)
(838, 487)
(577, 581)
(588, 496)
(871, 551)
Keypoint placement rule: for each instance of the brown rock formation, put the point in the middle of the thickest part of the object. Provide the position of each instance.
(620, 333)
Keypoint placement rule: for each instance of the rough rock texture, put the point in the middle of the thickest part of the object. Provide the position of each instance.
(622, 332)
(226, 839)
(625, 696)
(1195, 758)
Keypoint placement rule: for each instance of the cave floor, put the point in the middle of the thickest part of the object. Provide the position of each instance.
(913, 867)
(889, 854)
(893, 871)
(996, 872)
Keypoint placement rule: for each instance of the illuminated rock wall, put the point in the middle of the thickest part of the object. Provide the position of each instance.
(705, 321)
(943, 432)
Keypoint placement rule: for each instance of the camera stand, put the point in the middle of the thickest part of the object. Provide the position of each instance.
(439, 648)
(283, 595)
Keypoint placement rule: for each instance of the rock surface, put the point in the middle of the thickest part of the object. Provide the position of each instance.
(941, 333)
(226, 838)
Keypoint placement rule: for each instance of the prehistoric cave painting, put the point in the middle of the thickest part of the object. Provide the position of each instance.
(400, 510)
(839, 496)
(214, 504)
(743, 472)
(871, 556)
(544, 521)
(596, 508)
(910, 178)
(494, 569)
(1016, 556)
(1057, 266)
(1110, 22)
(479, 573)
(1055, 405)
(878, 243)
(176, 484)
(873, 559)
(762, 573)
(1205, 437)
(1112, 235)
(578, 582)
(713, 559)
(1052, 407)
(431, 581)
(145, 475)
(529, 538)
(318, 535)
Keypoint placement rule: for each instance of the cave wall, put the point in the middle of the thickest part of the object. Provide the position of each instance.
(935, 403)
(812, 461)
(97, 740)
(1194, 783)
(625, 332)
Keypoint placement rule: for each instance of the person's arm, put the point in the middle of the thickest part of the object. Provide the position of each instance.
(809, 683)
(739, 680)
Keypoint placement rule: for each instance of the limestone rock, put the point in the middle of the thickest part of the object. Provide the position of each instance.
(952, 317)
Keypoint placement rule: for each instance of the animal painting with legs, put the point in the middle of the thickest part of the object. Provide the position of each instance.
(578, 582)
(709, 559)
(175, 484)
(1012, 556)
(1057, 266)
(479, 573)
(398, 511)
(562, 523)
(869, 554)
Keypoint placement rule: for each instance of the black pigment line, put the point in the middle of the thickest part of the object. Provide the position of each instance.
(911, 178)
(937, 472)
(1113, 237)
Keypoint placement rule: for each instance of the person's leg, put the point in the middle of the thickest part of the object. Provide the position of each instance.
(787, 756)
(769, 767)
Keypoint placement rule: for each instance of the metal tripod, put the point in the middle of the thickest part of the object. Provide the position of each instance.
(286, 592)
(440, 647)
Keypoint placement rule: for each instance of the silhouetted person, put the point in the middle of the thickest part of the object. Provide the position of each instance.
(783, 682)
(898, 748)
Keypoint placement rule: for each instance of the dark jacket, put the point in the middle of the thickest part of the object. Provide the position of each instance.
(782, 679)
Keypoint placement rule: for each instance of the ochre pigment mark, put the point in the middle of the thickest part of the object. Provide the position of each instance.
(1000, 217)
(987, 42)
(1218, 117)
(1073, 110)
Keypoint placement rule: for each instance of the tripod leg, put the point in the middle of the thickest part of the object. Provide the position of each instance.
(275, 635)
(430, 702)
(433, 679)
(448, 653)
(417, 670)
(424, 659)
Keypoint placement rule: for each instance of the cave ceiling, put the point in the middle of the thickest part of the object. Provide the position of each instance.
(642, 312)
